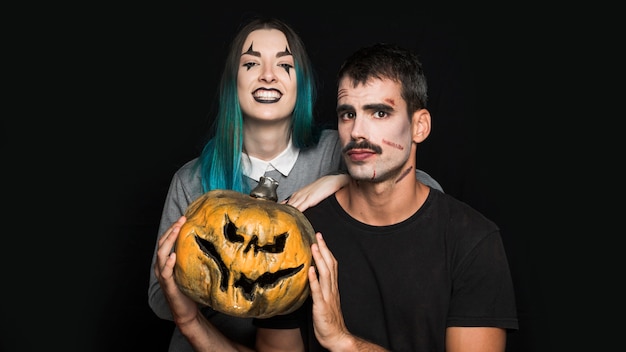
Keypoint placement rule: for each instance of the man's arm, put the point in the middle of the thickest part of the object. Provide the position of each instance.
(475, 339)
(328, 322)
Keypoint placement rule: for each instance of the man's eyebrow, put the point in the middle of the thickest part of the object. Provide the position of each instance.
(344, 108)
(376, 107)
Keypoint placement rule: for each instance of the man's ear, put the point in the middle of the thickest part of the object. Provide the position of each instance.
(420, 123)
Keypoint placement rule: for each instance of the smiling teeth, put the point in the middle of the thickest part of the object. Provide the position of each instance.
(267, 94)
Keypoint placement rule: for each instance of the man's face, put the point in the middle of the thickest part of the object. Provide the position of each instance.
(374, 130)
(266, 81)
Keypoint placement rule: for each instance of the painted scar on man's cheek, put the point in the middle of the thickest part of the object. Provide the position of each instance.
(374, 175)
(395, 145)
(406, 172)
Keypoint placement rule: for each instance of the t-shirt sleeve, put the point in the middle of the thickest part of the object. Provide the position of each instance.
(483, 294)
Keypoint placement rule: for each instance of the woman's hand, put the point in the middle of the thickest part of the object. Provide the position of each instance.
(183, 308)
(317, 191)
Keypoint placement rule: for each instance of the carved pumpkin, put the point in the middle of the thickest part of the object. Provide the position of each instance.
(245, 255)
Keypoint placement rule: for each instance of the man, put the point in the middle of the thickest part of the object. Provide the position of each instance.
(417, 270)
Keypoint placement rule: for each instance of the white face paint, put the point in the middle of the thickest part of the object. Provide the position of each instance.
(374, 115)
(266, 80)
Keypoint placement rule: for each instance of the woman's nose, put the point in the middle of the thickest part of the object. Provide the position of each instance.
(268, 75)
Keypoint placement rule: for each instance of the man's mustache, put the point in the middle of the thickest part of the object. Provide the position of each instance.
(362, 145)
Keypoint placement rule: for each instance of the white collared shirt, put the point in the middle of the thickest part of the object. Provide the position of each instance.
(283, 163)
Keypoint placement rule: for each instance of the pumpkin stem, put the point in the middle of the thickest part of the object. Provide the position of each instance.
(266, 189)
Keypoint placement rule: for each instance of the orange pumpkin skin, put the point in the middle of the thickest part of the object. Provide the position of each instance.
(244, 256)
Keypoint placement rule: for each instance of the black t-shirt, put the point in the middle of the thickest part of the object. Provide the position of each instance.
(402, 285)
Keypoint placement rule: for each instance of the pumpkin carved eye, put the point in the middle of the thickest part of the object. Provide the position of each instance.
(230, 231)
(244, 255)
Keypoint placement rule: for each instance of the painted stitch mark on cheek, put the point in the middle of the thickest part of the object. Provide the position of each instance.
(395, 145)
(406, 172)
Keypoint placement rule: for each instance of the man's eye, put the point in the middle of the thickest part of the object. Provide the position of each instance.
(380, 114)
(346, 115)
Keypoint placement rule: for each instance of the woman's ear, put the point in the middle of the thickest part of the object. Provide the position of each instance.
(420, 123)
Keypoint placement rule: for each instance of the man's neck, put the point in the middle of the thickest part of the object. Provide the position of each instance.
(381, 204)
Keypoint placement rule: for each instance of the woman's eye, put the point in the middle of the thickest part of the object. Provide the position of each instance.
(249, 65)
(287, 67)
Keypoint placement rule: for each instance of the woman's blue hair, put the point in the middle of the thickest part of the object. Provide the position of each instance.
(220, 160)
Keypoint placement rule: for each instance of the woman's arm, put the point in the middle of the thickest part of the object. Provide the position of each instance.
(200, 333)
(317, 191)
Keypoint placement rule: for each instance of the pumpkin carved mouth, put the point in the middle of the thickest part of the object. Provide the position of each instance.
(247, 285)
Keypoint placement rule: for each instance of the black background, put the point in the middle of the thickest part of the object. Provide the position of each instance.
(130, 95)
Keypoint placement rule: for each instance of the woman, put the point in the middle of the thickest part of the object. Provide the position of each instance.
(264, 127)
